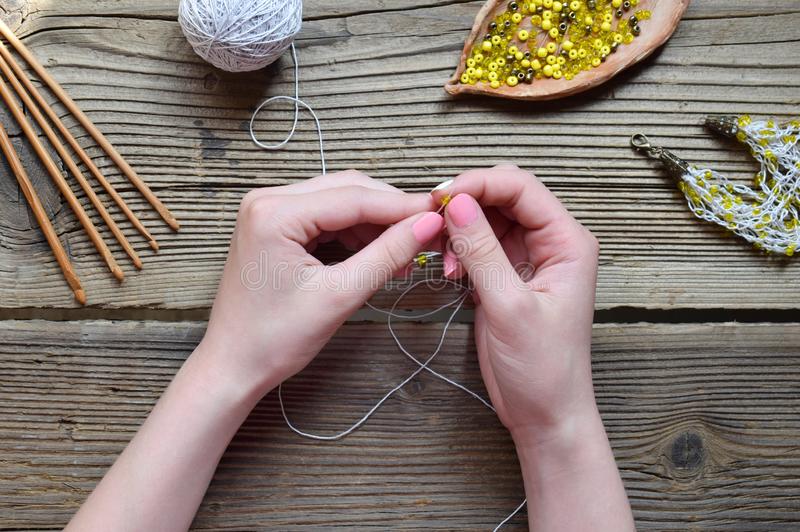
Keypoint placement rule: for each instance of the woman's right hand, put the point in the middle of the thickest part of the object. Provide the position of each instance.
(533, 268)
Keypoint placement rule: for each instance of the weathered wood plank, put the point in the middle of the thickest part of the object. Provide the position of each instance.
(703, 419)
(182, 125)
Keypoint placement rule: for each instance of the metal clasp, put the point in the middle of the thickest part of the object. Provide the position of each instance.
(674, 164)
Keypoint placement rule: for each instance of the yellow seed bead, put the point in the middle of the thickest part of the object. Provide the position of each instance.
(573, 54)
(513, 50)
(551, 47)
(567, 45)
(526, 63)
(512, 81)
(536, 64)
(574, 5)
(547, 25)
(492, 76)
(495, 40)
(464, 78)
(557, 74)
(596, 62)
(547, 4)
(516, 18)
(557, 6)
(523, 35)
(495, 84)
(493, 66)
(605, 26)
(548, 70)
(541, 52)
(561, 61)
(616, 3)
(470, 62)
(551, 60)
(519, 56)
(553, 33)
(486, 46)
(479, 58)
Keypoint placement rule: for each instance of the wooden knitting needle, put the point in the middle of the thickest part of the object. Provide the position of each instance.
(65, 156)
(41, 216)
(53, 116)
(59, 180)
(89, 126)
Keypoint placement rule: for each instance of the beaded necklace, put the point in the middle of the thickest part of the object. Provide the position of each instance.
(767, 214)
(539, 39)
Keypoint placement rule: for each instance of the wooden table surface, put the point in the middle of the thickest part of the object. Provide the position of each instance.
(696, 356)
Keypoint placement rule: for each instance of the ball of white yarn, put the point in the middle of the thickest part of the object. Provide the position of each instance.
(240, 35)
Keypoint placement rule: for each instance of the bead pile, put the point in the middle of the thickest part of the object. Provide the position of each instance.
(767, 214)
(540, 39)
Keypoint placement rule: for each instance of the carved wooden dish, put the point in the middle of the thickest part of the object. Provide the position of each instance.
(666, 14)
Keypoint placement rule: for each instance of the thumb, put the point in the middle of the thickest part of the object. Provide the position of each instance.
(392, 252)
(474, 243)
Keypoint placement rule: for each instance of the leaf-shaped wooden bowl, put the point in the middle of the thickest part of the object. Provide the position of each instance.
(666, 14)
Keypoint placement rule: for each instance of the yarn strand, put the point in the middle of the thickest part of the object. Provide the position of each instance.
(297, 104)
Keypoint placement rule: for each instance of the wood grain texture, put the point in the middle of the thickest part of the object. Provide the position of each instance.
(703, 419)
(182, 126)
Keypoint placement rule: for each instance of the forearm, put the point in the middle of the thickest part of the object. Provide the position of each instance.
(159, 480)
(571, 478)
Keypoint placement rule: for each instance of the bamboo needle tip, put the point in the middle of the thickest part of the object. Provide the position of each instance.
(173, 223)
(118, 274)
(80, 296)
(138, 263)
(154, 245)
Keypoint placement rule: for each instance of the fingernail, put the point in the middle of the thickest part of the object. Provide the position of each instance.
(427, 227)
(450, 263)
(442, 186)
(463, 210)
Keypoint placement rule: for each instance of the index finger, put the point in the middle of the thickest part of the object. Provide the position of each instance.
(512, 190)
(303, 217)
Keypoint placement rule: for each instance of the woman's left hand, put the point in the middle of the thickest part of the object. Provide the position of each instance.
(277, 305)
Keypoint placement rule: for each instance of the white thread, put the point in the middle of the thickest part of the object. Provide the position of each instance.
(423, 366)
(240, 35)
(766, 215)
(297, 103)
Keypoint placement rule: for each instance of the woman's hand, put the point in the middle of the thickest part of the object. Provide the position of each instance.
(277, 305)
(276, 308)
(533, 268)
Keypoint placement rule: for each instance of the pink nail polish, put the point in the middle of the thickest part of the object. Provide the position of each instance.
(427, 227)
(450, 263)
(463, 210)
